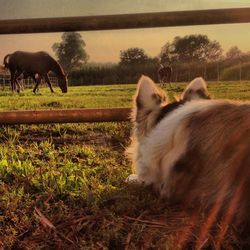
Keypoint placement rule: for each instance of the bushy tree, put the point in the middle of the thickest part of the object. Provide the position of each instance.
(71, 51)
(213, 52)
(191, 48)
(133, 56)
(167, 54)
(234, 53)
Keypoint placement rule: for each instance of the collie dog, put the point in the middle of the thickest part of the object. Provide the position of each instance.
(193, 149)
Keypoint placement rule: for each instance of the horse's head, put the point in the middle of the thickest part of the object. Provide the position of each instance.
(63, 83)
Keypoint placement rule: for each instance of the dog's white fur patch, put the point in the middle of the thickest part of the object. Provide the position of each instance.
(155, 154)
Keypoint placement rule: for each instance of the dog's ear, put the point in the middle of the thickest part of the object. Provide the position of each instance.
(196, 90)
(148, 96)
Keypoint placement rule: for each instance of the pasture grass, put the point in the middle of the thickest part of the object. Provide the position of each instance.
(62, 185)
(77, 97)
(106, 96)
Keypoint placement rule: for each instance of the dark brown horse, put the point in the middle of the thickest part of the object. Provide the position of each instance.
(34, 64)
(164, 74)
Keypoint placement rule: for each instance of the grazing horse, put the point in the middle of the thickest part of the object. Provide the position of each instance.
(164, 75)
(34, 64)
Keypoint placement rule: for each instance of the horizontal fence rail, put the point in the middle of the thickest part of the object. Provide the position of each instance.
(64, 116)
(126, 21)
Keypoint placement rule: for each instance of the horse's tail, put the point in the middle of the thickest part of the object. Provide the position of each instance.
(6, 61)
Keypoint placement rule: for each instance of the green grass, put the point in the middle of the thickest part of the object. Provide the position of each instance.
(106, 96)
(77, 97)
(74, 175)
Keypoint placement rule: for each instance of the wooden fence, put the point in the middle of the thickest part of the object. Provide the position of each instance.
(108, 22)
(126, 21)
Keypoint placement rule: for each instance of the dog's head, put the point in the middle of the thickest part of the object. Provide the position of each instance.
(151, 104)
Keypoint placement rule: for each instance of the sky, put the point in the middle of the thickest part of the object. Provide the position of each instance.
(105, 46)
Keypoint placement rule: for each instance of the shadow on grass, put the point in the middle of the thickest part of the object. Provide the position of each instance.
(127, 217)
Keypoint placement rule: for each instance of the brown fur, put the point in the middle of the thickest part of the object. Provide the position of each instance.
(41, 63)
(217, 160)
(194, 151)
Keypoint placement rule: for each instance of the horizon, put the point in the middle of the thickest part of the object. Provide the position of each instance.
(105, 46)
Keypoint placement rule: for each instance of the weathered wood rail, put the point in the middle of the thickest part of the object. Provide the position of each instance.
(64, 116)
(126, 21)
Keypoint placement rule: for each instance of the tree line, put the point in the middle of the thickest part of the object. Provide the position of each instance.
(189, 56)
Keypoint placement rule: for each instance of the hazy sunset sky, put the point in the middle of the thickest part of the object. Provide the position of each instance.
(105, 46)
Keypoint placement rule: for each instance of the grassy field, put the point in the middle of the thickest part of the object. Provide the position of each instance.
(106, 96)
(62, 185)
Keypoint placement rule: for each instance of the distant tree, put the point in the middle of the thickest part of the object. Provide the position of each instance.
(213, 52)
(188, 48)
(191, 48)
(133, 56)
(167, 55)
(234, 53)
(71, 51)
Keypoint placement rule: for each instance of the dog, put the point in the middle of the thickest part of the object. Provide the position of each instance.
(195, 149)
